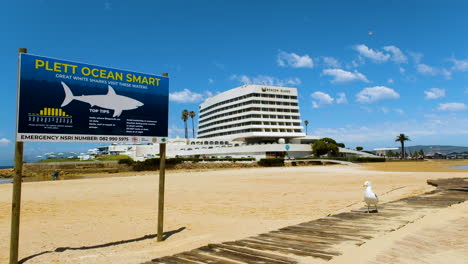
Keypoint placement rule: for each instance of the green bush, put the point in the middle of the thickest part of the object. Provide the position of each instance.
(278, 162)
(111, 157)
(153, 164)
(366, 159)
(127, 161)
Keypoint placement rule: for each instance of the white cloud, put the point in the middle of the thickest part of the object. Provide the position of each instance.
(331, 62)
(4, 141)
(426, 69)
(321, 99)
(355, 63)
(293, 60)
(385, 132)
(266, 80)
(175, 132)
(341, 99)
(390, 80)
(402, 70)
(466, 90)
(367, 109)
(185, 96)
(417, 57)
(399, 111)
(376, 93)
(385, 110)
(446, 73)
(210, 81)
(460, 65)
(376, 56)
(452, 107)
(342, 76)
(397, 54)
(435, 93)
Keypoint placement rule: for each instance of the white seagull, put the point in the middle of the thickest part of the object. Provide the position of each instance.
(370, 197)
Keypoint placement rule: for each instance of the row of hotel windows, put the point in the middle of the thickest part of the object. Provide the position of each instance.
(279, 130)
(210, 143)
(201, 131)
(280, 110)
(247, 96)
(245, 117)
(248, 103)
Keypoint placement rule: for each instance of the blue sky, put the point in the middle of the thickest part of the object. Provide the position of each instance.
(365, 70)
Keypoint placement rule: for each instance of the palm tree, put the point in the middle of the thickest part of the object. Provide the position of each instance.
(192, 115)
(402, 138)
(306, 123)
(185, 115)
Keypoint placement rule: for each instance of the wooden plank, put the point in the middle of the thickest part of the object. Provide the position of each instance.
(168, 260)
(316, 236)
(311, 241)
(288, 244)
(338, 227)
(260, 253)
(340, 222)
(189, 257)
(182, 260)
(270, 258)
(265, 246)
(349, 232)
(203, 258)
(279, 240)
(303, 230)
(238, 256)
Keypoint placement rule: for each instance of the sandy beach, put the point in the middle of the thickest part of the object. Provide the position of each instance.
(105, 220)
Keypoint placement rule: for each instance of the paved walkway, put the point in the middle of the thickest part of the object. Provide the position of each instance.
(323, 239)
(323, 161)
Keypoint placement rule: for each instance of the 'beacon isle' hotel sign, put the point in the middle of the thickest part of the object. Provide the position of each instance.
(266, 89)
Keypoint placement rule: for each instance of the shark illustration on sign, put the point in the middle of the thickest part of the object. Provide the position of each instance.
(111, 100)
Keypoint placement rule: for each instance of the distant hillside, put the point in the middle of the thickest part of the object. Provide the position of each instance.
(428, 149)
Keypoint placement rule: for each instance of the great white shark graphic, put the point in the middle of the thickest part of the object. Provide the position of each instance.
(111, 100)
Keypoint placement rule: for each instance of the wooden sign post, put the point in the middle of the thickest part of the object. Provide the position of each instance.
(16, 199)
(162, 180)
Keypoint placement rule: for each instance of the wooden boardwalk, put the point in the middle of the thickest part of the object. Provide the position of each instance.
(319, 240)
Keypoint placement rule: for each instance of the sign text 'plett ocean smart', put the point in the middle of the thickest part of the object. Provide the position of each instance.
(63, 101)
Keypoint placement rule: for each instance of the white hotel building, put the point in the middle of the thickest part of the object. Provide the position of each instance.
(248, 121)
(251, 113)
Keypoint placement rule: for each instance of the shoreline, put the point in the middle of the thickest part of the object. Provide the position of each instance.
(402, 166)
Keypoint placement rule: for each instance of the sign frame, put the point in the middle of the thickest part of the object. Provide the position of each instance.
(123, 105)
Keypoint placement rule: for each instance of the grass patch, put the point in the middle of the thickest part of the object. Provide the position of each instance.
(112, 157)
(59, 160)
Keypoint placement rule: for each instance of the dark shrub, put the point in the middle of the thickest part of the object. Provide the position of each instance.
(278, 162)
(366, 159)
(127, 161)
(153, 164)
